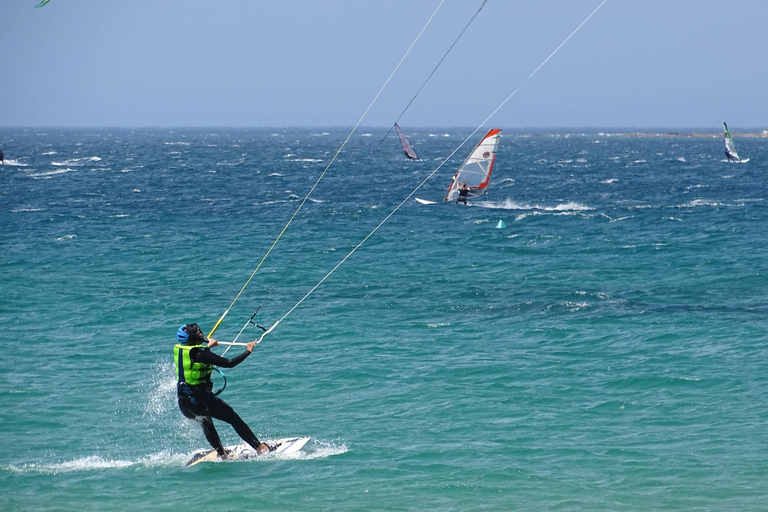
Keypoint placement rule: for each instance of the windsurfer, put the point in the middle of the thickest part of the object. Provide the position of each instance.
(463, 191)
(194, 364)
(2, 157)
(729, 156)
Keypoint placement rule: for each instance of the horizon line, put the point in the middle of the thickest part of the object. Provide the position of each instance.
(613, 129)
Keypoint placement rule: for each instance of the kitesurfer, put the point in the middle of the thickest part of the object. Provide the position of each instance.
(463, 191)
(194, 364)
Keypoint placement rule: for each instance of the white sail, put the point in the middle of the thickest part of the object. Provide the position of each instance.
(476, 170)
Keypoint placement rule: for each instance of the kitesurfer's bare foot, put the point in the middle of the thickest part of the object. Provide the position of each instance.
(262, 449)
(224, 456)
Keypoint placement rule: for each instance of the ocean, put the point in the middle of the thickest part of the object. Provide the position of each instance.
(605, 350)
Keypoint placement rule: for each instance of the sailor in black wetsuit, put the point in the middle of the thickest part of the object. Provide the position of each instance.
(194, 364)
(463, 191)
(2, 157)
(729, 156)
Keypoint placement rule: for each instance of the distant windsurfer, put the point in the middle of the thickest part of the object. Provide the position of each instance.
(463, 191)
(729, 156)
(2, 157)
(194, 364)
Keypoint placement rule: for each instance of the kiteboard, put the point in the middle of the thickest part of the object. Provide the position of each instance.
(286, 446)
(424, 201)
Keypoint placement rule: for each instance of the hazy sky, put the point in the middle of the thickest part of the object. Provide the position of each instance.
(637, 63)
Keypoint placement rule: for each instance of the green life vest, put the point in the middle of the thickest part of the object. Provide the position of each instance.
(188, 371)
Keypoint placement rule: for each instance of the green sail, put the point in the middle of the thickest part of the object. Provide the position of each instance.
(730, 146)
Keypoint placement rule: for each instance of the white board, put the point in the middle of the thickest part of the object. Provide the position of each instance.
(424, 201)
(285, 445)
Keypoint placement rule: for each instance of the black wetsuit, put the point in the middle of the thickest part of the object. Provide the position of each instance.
(198, 402)
(462, 195)
(2, 157)
(729, 156)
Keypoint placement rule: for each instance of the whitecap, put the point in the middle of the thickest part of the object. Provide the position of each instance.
(76, 161)
(49, 174)
(700, 202)
(529, 214)
(566, 207)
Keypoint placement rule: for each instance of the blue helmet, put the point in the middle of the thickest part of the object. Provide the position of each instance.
(181, 334)
(190, 334)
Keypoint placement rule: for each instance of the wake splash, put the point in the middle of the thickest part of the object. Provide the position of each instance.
(166, 459)
(95, 462)
(13, 163)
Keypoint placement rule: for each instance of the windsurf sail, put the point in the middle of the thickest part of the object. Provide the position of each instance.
(730, 146)
(42, 3)
(407, 146)
(476, 170)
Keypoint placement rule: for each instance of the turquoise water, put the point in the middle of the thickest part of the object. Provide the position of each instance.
(605, 351)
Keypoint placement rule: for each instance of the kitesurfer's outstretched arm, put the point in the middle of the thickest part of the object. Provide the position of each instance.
(205, 356)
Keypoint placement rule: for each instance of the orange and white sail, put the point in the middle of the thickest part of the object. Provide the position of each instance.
(476, 170)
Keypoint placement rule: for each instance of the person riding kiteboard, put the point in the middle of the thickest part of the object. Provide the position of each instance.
(194, 363)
